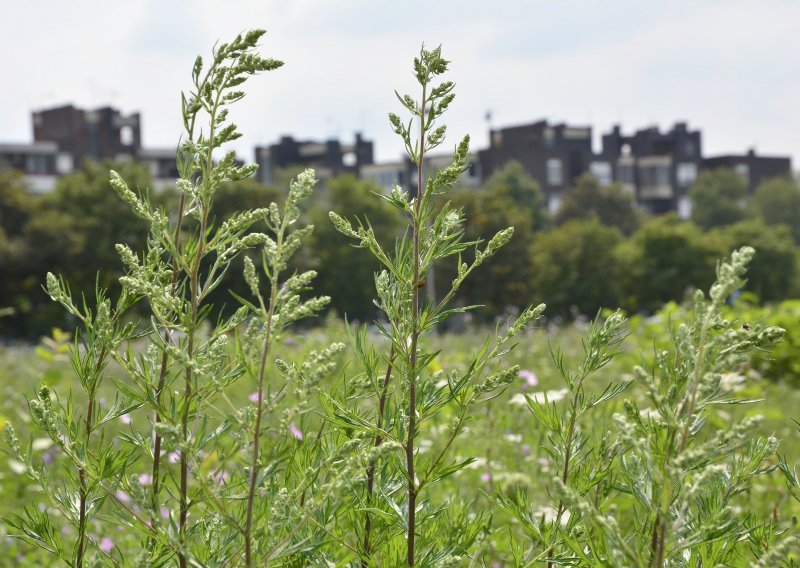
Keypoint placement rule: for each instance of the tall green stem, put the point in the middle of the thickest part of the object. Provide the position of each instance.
(415, 331)
(371, 471)
(254, 465)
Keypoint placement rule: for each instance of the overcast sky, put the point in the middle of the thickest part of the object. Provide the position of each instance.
(727, 67)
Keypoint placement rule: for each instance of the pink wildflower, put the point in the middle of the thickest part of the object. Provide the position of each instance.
(529, 377)
(125, 419)
(106, 545)
(296, 432)
(145, 479)
(253, 397)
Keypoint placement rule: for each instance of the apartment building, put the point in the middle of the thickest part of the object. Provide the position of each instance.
(554, 155)
(329, 158)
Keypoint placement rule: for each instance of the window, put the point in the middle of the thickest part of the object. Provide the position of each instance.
(743, 170)
(549, 137)
(601, 171)
(684, 208)
(349, 159)
(554, 204)
(686, 173)
(497, 139)
(126, 136)
(39, 164)
(64, 163)
(654, 175)
(625, 173)
(661, 175)
(555, 174)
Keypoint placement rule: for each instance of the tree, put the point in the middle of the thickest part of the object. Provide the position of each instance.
(718, 198)
(773, 270)
(18, 289)
(777, 201)
(611, 205)
(88, 212)
(70, 231)
(574, 267)
(513, 182)
(664, 259)
(347, 273)
(510, 197)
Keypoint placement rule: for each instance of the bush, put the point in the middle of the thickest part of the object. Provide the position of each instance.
(575, 269)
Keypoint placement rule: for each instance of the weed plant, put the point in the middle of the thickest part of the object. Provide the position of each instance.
(365, 464)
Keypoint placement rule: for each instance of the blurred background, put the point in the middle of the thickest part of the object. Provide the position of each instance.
(631, 144)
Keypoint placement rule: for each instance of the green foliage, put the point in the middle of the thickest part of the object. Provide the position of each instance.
(73, 221)
(17, 286)
(87, 202)
(345, 273)
(394, 508)
(782, 363)
(176, 369)
(665, 259)
(610, 204)
(510, 197)
(677, 485)
(513, 182)
(575, 269)
(719, 197)
(773, 272)
(777, 201)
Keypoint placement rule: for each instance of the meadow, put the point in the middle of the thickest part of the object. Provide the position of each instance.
(508, 443)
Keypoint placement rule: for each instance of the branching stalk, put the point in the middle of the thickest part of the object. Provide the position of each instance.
(415, 331)
(254, 460)
(371, 471)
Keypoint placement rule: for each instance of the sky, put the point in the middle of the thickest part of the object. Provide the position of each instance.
(727, 67)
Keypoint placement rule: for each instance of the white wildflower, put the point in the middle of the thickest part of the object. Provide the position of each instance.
(731, 382)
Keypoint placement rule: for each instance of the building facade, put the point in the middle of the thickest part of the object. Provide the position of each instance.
(100, 134)
(657, 168)
(40, 163)
(329, 158)
(554, 155)
(753, 169)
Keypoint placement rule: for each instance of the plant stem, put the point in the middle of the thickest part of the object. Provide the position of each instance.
(162, 375)
(415, 331)
(371, 471)
(573, 418)
(196, 293)
(658, 537)
(262, 370)
(84, 491)
(194, 278)
(248, 526)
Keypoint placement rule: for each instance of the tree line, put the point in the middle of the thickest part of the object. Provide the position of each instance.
(597, 251)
